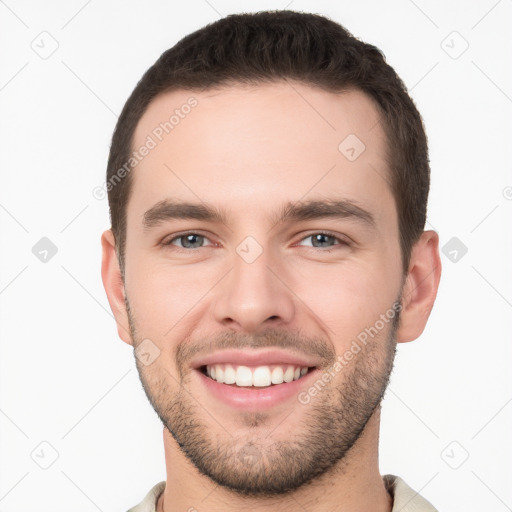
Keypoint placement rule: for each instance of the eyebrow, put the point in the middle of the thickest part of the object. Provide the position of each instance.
(169, 209)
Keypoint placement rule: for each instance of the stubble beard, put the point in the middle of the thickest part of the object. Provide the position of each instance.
(262, 465)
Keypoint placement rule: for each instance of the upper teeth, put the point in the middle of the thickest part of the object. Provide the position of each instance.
(254, 376)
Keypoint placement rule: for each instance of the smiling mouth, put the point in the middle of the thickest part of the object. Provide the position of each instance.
(254, 376)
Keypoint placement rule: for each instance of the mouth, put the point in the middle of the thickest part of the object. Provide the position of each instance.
(262, 376)
(254, 380)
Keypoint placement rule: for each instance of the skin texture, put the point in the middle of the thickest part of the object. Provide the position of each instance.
(248, 151)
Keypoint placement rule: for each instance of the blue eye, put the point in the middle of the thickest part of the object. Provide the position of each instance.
(188, 241)
(191, 240)
(319, 239)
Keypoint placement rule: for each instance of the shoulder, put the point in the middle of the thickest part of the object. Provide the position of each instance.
(405, 499)
(148, 504)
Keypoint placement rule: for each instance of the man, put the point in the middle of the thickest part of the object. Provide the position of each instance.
(268, 181)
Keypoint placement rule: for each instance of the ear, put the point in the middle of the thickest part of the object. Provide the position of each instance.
(420, 288)
(114, 286)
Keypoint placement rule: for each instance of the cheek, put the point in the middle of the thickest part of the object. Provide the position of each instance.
(166, 299)
(346, 299)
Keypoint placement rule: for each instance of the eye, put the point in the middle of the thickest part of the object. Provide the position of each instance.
(322, 240)
(192, 240)
(187, 240)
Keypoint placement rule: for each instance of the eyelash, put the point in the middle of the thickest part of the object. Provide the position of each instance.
(341, 241)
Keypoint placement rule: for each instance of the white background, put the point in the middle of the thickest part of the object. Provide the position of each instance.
(66, 377)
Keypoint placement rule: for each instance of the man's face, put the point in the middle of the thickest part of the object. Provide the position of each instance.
(258, 295)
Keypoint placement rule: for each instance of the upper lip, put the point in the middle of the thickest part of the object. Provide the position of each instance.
(250, 357)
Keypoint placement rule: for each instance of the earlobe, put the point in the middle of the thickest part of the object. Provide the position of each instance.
(420, 288)
(113, 284)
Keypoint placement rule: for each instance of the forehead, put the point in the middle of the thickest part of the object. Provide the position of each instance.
(239, 146)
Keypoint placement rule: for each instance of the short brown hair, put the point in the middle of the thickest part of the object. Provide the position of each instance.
(270, 46)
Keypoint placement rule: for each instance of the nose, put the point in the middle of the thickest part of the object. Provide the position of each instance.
(253, 295)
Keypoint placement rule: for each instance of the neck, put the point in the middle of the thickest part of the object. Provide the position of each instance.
(354, 485)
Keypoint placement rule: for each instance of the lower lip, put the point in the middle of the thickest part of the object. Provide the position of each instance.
(255, 398)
